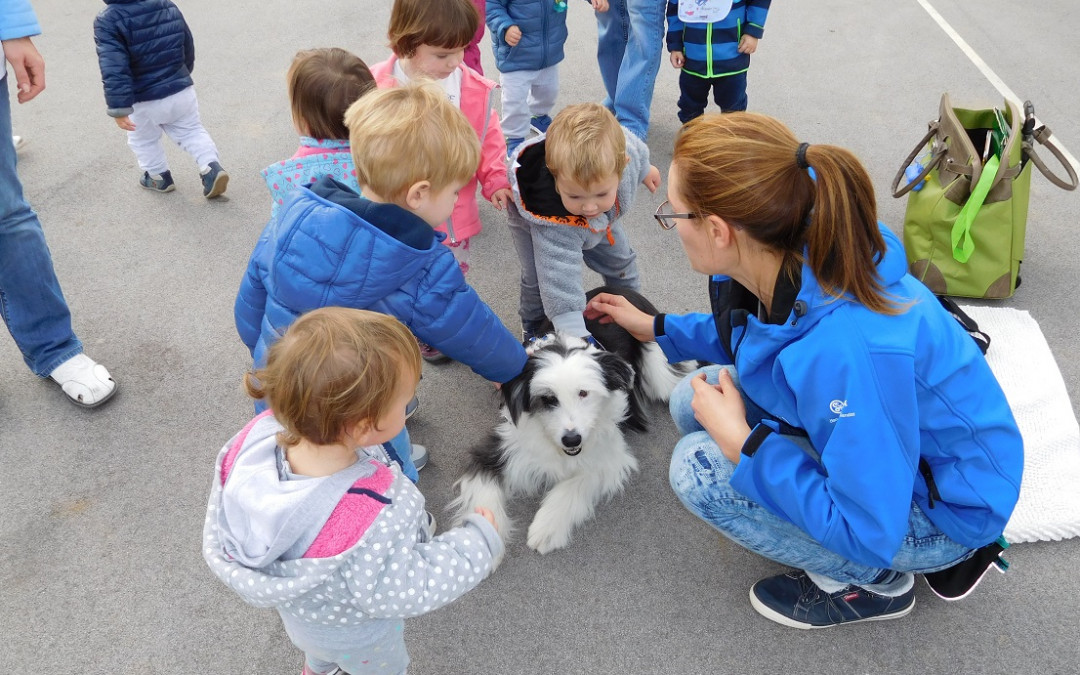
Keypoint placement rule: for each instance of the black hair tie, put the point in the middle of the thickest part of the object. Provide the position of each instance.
(800, 156)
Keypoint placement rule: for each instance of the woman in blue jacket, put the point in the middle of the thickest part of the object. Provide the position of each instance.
(857, 433)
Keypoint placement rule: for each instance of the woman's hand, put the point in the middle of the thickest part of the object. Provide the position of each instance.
(608, 308)
(720, 410)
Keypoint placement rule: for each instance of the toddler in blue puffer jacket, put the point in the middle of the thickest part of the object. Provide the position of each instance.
(146, 54)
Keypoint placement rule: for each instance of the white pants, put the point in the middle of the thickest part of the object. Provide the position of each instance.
(527, 93)
(178, 117)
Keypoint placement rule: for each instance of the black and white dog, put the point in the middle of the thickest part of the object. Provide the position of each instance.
(562, 425)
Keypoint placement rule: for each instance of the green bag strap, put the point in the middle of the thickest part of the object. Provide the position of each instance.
(962, 243)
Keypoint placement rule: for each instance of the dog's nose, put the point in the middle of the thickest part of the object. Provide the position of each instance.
(571, 440)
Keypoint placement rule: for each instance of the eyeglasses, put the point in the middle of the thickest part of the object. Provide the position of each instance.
(665, 217)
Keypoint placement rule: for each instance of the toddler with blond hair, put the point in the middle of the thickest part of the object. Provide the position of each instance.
(571, 188)
(380, 251)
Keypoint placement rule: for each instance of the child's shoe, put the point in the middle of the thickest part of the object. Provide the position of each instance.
(511, 144)
(540, 123)
(214, 180)
(18, 142)
(160, 183)
(432, 355)
(411, 407)
(419, 456)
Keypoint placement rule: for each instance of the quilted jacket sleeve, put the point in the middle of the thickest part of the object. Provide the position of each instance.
(453, 319)
(250, 304)
(115, 65)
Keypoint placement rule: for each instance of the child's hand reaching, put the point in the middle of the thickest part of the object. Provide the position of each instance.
(501, 197)
(125, 123)
(486, 513)
(678, 59)
(599, 5)
(652, 179)
(512, 36)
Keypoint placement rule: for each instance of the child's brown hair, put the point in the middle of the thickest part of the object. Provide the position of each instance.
(323, 83)
(449, 24)
(585, 144)
(745, 168)
(333, 368)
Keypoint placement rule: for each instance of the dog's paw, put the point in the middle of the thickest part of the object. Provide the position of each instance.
(545, 537)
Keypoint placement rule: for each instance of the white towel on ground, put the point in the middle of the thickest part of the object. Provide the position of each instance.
(1049, 506)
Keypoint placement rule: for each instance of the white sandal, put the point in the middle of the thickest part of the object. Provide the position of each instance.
(86, 382)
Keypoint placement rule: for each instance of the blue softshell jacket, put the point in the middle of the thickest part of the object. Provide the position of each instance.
(712, 49)
(874, 393)
(329, 246)
(17, 20)
(543, 34)
(145, 52)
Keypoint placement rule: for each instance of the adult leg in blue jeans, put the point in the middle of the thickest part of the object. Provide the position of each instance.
(630, 44)
(828, 589)
(31, 301)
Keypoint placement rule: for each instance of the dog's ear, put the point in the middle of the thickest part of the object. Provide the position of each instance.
(516, 394)
(618, 374)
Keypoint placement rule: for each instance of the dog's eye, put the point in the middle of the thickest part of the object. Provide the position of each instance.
(582, 393)
(549, 401)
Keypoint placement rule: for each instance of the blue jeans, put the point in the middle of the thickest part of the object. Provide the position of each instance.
(31, 301)
(701, 477)
(630, 44)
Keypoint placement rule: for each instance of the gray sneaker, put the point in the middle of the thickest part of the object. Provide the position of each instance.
(214, 180)
(160, 183)
(419, 456)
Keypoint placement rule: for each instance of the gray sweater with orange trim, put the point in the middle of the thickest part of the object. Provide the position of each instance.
(559, 238)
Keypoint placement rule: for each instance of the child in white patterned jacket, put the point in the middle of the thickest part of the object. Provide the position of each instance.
(308, 515)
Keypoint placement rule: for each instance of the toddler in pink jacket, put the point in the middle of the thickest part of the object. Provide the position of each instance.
(429, 40)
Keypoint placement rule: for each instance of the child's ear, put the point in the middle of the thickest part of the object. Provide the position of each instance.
(417, 194)
(357, 434)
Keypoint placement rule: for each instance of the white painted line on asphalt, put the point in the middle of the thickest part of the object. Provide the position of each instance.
(986, 70)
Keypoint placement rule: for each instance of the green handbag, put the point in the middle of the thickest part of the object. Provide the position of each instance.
(967, 206)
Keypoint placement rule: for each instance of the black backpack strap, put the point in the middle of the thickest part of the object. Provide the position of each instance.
(981, 338)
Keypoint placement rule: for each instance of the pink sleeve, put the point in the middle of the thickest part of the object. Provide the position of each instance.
(492, 171)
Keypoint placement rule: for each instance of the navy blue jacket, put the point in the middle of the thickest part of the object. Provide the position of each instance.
(145, 51)
(328, 246)
(712, 49)
(874, 393)
(543, 34)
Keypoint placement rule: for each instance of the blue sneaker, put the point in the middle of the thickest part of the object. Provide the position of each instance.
(214, 180)
(511, 144)
(160, 183)
(540, 123)
(794, 600)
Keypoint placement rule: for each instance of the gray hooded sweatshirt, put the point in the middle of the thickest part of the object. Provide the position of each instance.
(342, 558)
(562, 242)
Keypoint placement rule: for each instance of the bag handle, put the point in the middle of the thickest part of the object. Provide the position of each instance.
(962, 243)
(1042, 135)
(934, 161)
